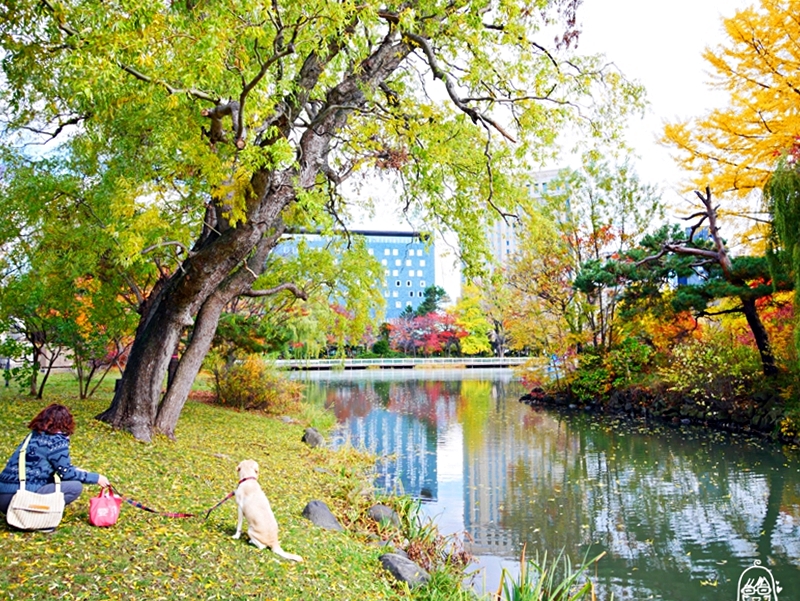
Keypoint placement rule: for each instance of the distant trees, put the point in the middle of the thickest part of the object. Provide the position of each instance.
(586, 216)
(470, 318)
(434, 297)
(430, 334)
(426, 330)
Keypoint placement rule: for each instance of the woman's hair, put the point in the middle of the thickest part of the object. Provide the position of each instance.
(52, 419)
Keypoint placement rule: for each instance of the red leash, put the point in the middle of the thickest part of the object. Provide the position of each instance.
(228, 496)
(172, 514)
(169, 514)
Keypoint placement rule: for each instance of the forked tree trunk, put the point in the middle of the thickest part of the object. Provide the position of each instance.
(203, 335)
(135, 404)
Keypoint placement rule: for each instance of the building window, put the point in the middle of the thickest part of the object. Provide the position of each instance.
(422, 262)
(394, 294)
(408, 303)
(411, 293)
(386, 272)
(408, 284)
(384, 262)
(395, 273)
(370, 252)
(398, 262)
(408, 262)
(398, 304)
(394, 252)
(397, 283)
(385, 251)
(422, 283)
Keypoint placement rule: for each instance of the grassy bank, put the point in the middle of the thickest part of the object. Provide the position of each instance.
(148, 556)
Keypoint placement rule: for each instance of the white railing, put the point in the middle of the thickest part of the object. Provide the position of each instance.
(395, 362)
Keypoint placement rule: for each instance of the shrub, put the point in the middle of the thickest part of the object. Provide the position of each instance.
(600, 372)
(250, 384)
(628, 360)
(592, 379)
(717, 368)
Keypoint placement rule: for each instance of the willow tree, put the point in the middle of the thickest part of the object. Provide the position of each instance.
(782, 197)
(210, 127)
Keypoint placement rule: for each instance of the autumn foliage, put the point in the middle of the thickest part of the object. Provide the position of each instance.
(734, 149)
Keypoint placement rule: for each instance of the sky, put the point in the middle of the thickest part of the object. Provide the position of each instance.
(659, 44)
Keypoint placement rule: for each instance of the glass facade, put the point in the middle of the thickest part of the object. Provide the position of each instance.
(408, 265)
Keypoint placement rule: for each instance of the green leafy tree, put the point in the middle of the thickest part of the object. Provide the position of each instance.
(28, 316)
(64, 313)
(197, 132)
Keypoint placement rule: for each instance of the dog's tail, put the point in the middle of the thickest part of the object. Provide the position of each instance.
(277, 549)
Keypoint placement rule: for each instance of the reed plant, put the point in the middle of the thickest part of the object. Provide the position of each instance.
(545, 579)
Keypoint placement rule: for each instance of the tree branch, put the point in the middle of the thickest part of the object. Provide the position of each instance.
(438, 73)
(168, 243)
(293, 288)
(199, 94)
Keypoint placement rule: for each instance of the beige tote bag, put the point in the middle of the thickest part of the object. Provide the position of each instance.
(34, 511)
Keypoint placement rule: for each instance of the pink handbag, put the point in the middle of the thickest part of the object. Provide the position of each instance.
(104, 508)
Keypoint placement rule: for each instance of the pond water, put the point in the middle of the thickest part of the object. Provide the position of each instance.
(680, 512)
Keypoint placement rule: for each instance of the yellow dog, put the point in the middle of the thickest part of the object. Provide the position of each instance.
(262, 527)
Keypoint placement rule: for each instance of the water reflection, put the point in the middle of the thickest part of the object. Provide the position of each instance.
(681, 513)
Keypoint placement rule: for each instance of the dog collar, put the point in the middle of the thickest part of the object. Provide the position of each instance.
(246, 479)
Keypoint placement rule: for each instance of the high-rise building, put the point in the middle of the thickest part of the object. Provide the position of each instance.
(503, 239)
(408, 267)
(408, 261)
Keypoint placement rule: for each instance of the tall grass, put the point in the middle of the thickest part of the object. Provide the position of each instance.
(548, 579)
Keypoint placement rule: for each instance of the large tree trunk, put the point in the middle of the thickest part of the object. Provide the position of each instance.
(189, 366)
(135, 404)
(203, 334)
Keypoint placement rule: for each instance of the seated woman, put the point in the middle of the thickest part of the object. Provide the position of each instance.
(47, 454)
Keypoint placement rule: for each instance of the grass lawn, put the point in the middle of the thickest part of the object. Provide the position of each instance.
(150, 557)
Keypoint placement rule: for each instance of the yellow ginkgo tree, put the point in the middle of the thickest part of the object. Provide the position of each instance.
(734, 148)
